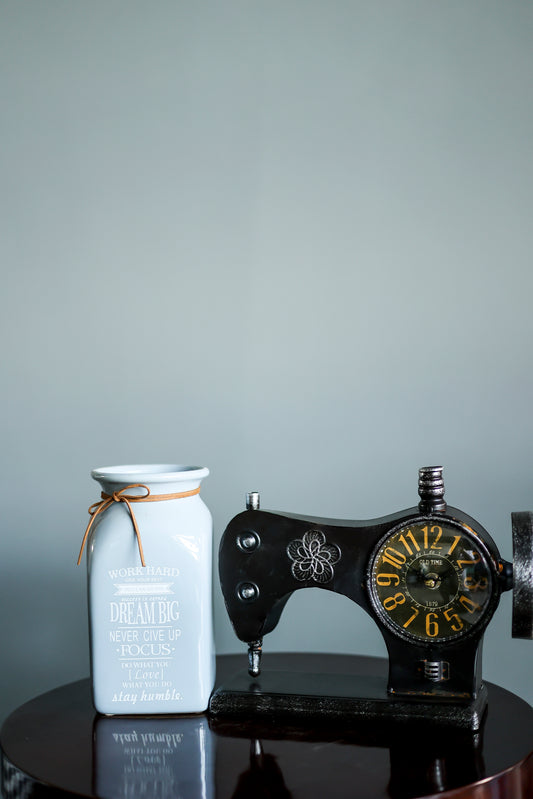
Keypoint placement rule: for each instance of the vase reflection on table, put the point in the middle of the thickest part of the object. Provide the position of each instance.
(153, 757)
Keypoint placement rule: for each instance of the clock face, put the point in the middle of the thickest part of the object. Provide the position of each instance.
(430, 581)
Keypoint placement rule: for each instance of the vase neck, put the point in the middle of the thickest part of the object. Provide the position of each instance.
(159, 478)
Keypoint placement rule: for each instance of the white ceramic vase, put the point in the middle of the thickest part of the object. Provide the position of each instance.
(151, 629)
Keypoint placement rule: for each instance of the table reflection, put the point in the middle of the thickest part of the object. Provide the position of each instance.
(153, 758)
(402, 762)
(263, 779)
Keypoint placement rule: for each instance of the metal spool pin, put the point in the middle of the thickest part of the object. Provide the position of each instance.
(431, 490)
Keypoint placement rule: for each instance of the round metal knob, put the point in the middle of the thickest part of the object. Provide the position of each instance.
(247, 592)
(248, 541)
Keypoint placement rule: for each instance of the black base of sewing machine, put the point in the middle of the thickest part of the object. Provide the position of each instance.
(300, 696)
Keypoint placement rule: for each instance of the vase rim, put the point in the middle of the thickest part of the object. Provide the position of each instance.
(149, 473)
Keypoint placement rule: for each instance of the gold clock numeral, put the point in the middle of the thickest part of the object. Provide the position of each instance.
(432, 627)
(476, 558)
(387, 580)
(434, 529)
(469, 604)
(457, 624)
(471, 584)
(411, 618)
(394, 558)
(456, 540)
(391, 602)
(425, 530)
(403, 540)
(439, 534)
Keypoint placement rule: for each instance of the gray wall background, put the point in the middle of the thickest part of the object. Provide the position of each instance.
(288, 240)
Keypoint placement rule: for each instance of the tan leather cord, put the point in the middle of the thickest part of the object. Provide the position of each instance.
(119, 496)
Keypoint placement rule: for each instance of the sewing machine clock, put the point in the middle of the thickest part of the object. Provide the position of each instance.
(433, 582)
(431, 578)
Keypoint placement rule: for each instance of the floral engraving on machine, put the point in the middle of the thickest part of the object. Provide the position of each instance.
(312, 558)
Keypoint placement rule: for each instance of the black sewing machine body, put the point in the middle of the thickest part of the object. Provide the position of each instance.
(430, 576)
(267, 573)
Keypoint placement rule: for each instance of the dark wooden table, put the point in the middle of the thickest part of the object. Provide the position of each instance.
(56, 745)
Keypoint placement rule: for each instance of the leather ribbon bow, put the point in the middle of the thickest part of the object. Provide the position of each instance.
(128, 499)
